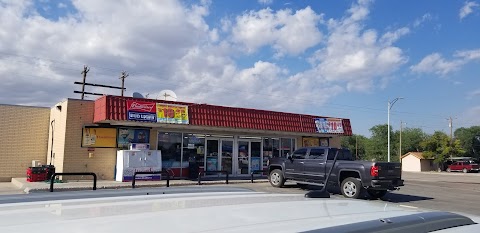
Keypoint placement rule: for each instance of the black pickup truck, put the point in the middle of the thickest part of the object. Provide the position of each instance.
(310, 165)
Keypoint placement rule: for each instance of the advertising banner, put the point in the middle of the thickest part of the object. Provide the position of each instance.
(128, 135)
(99, 137)
(172, 113)
(212, 164)
(141, 111)
(309, 141)
(329, 125)
(255, 163)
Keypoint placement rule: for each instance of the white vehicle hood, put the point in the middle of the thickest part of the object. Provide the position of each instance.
(192, 212)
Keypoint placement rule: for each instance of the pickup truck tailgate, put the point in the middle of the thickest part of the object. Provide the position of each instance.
(389, 170)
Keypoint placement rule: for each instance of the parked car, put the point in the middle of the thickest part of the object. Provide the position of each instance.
(464, 166)
(310, 165)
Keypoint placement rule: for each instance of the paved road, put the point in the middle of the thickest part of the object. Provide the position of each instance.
(445, 192)
(437, 191)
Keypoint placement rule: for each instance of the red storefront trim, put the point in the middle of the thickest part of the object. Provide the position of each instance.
(114, 108)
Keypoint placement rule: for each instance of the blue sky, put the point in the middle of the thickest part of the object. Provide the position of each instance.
(332, 58)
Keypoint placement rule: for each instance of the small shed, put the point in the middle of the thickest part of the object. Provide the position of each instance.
(415, 162)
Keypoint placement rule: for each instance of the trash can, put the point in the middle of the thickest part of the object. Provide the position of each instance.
(49, 169)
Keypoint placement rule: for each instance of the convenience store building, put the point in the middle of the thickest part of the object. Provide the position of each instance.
(84, 135)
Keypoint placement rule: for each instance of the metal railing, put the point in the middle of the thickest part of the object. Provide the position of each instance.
(150, 173)
(52, 179)
(206, 172)
(256, 172)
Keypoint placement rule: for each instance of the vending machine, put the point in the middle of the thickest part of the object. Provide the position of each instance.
(138, 158)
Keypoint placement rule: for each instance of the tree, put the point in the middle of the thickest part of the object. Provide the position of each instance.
(355, 142)
(466, 137)
(438, 147)
(411, 139)
(377, 146)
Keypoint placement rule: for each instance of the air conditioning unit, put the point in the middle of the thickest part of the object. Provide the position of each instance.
(36, 163)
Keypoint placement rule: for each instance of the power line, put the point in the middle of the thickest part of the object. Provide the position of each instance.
(274, 96)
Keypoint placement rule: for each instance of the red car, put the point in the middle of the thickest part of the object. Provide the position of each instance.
(464, 166)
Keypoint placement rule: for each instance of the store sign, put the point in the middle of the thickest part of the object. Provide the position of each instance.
(329, 125)
(172, 113)
(99, 137)
(141, 111)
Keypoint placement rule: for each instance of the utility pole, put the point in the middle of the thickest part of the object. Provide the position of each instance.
(450, 125)
(84, 72)
(400, 154)
(123, 77)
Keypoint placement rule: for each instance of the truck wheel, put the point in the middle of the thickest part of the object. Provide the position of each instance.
(376, 193)
(351, 188)
(464, 170)
(276, 178)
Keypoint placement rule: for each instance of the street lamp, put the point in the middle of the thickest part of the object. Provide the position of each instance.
(390, 105)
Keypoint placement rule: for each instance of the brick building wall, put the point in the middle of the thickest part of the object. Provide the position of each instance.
(25, 138)
(70, 156)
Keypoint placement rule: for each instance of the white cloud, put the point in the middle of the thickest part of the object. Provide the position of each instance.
(468, 8)
(356, 55)
(472, 94)
(169, 45)
(61, 5)
(287, 32)
(265, 2)
(436, 64)
(470, 116)
(426, 17)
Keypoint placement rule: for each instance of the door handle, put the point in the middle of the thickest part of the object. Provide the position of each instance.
(321, 163)
(301, 162)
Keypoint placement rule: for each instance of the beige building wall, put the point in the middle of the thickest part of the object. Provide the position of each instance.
(335, 142)
(69, 155)
(58, 117)
(25, 138)
(411, 163)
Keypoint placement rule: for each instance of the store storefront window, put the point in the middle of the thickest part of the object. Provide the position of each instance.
(193, 150)
(287, 146)
(170, 145)
(271, 148)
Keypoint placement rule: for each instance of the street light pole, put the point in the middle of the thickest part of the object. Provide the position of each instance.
(390, 105)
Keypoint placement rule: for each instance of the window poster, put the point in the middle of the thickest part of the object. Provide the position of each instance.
(129, 135)
(310, 141)
(99, 137)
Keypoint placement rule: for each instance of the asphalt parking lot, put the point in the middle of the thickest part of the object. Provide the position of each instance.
(455, 192)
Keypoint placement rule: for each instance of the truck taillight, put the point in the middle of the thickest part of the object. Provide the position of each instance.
(374, 170)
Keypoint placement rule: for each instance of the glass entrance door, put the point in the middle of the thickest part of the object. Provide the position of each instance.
(211, 161)
(227, 155)
(255, 154)
(243, 157)
(249, 156)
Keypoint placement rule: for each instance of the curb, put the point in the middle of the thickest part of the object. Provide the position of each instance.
(63, 189)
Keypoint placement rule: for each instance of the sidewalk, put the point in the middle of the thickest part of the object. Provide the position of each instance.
(21, 184)
(9, 188)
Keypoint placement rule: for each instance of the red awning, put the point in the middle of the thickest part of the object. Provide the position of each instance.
(108, 108)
